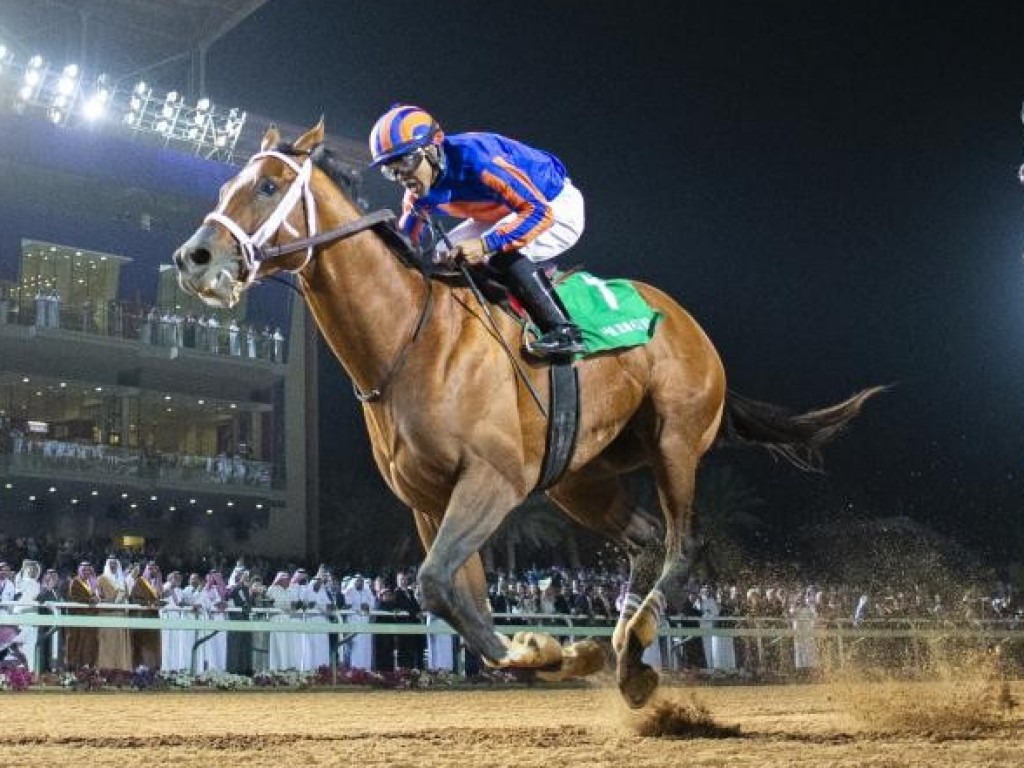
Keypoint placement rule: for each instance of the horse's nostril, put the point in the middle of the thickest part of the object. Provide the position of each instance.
(179, 262)
(200, 256)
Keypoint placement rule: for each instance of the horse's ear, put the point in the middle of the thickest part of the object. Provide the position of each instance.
(271, 138)
(312, 137)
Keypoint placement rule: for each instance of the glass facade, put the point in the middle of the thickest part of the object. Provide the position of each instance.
(126, 407)
(75, 427)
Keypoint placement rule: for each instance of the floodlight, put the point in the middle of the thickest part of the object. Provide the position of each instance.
(61, 95)
(95, 106)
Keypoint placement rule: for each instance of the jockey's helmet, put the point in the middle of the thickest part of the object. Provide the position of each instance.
(400, 130)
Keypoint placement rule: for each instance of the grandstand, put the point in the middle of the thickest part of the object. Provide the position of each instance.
(128, 411)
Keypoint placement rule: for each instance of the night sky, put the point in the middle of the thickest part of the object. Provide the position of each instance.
(830, 188)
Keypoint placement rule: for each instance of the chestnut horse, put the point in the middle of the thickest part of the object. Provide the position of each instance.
(455, 431)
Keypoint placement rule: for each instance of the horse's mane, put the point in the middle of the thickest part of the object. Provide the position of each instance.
(324, 158)
(346, 182)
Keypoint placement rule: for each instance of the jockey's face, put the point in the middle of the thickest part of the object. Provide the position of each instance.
(415, 171)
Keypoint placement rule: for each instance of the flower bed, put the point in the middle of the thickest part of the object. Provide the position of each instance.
(18, 678)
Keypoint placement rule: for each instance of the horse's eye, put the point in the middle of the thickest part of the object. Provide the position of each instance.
(267, 188)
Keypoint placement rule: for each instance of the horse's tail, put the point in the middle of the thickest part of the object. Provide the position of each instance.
(796, 437)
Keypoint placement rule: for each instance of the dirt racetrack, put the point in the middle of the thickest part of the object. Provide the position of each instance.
(798, 725)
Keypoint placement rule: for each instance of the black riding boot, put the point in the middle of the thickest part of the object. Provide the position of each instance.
(559, 335)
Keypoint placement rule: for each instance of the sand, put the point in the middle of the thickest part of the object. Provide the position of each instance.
(836, 725)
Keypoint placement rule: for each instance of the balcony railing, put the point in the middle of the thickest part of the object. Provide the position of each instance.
(133, 322)
(59, 456)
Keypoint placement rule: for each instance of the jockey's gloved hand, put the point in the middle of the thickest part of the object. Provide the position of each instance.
(470, 251)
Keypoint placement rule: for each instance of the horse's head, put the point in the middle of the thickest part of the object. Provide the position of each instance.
(269, 199)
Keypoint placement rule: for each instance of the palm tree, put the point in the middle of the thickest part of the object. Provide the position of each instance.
(724, 504)
(537, 525)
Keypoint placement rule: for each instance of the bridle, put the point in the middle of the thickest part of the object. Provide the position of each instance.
(252, 245)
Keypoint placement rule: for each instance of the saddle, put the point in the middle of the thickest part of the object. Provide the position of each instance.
(610, 313)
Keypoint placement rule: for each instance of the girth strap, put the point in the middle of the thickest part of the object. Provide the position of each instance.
(563, 423)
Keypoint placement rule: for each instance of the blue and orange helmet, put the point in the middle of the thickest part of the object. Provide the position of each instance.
(400, 130)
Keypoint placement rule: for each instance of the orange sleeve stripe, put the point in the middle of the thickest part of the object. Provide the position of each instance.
(524, 207)
(486, 212)
(523, 178)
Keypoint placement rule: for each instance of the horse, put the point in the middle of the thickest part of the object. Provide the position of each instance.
(453, 412)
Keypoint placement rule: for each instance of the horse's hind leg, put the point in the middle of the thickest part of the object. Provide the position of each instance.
(675, 474)
(599, 502)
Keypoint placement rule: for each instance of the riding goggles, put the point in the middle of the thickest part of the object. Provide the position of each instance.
(402, 167)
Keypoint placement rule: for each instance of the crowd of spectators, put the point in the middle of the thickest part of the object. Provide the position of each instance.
(230, 589)
(41, 453)
(207, 333)
(150, 325)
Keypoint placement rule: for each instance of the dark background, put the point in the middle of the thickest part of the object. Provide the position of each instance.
(830, 188)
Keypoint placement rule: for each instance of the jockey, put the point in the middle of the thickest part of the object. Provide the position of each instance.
(520, 207)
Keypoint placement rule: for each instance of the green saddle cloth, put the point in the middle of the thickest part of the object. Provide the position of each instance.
(611, 314)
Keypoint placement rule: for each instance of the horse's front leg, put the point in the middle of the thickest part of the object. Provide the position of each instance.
(451, 577)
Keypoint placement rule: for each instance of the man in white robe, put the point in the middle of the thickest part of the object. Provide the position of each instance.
(299, 641)
(212, 655)
(319, 605)
(7, 589)
(175, 644)
(360, 601)
(440, 647)
(280, 654)
(719, 650)
(27, 587)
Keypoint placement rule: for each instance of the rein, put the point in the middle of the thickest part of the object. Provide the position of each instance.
(369, 221)
(375, 394)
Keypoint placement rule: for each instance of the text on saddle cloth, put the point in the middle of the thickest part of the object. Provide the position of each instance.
(611, 314)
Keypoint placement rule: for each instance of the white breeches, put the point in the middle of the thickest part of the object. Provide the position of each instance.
(570, 218)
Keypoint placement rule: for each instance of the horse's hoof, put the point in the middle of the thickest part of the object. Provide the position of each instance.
(578, 660)
(584, 658)
(643, 628)
(530, 650)
(542, 650)
(638, 686)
